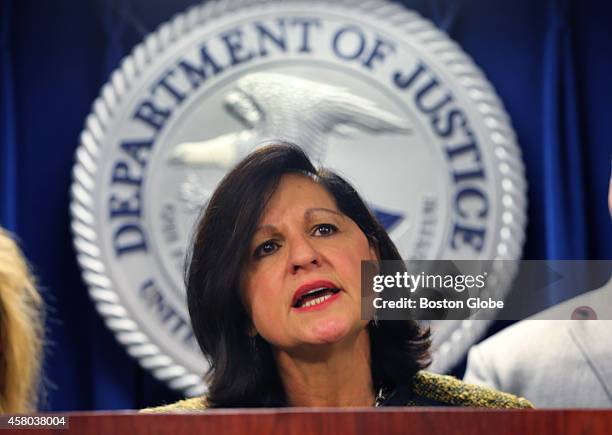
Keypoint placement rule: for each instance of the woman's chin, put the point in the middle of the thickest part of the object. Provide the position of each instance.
(329, 330)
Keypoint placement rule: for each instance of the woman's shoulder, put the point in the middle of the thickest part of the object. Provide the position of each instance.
(186, 405)
(430, 389)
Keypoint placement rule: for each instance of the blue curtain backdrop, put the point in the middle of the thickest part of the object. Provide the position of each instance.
(550, 61)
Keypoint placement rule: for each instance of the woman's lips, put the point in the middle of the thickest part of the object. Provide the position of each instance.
(309, 287)
(319, 303)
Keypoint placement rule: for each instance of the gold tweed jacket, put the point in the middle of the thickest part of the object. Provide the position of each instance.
(429, 390)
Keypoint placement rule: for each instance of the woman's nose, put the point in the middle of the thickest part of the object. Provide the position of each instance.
(303, 255)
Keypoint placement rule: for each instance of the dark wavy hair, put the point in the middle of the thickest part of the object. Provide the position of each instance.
(243, 372)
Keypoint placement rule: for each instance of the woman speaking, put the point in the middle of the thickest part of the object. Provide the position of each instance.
(274, 296)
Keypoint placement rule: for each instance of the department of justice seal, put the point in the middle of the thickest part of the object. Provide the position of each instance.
(369, 88)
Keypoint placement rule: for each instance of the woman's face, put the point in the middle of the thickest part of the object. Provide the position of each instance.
(302, 282)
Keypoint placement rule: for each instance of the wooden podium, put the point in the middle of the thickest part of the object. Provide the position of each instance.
(302, 421)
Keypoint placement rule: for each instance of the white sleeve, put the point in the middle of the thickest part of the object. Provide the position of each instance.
(480, 369)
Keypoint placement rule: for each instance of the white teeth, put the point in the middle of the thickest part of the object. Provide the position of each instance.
(315, 290)
(316, 301)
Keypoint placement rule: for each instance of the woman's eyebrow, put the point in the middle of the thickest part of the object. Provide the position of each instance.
(267, 228)
(308, 213)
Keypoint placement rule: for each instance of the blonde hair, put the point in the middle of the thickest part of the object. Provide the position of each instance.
(21, 331)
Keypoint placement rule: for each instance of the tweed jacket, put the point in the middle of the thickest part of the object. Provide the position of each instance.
(429, 390)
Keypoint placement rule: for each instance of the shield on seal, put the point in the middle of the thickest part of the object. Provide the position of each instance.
(369, 88)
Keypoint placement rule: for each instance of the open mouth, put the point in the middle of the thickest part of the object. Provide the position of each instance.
(315, 297)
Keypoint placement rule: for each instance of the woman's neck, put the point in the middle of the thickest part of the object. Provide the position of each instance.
(337, 374)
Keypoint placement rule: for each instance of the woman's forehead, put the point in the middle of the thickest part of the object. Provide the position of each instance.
(297, 191)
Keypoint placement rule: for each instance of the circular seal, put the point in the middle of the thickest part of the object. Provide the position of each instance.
(369, 88)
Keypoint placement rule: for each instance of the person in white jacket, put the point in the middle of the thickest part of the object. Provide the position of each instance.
(552, 363)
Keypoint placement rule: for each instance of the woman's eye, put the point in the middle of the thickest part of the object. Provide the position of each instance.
(324, 230)
(266, 248)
